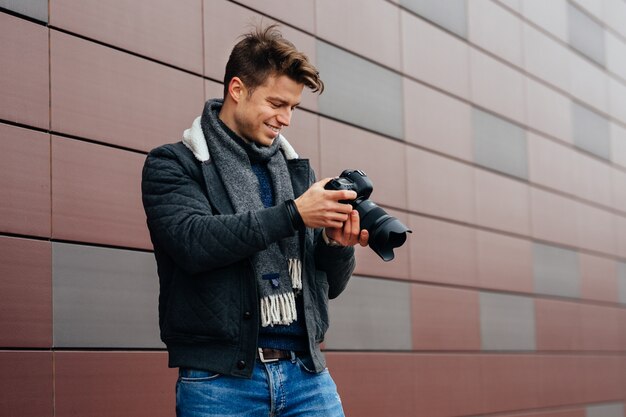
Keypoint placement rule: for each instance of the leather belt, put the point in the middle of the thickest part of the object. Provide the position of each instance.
(272, 355)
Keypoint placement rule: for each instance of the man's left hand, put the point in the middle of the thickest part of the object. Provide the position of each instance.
(350, 234)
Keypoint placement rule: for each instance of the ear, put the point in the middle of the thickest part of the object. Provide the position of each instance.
(236, 89)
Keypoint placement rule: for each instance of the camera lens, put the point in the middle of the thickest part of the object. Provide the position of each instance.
(386, 232)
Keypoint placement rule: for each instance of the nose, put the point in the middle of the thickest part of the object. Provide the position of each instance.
(284, 116)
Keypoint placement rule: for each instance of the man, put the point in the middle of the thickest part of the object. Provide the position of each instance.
(249, 248)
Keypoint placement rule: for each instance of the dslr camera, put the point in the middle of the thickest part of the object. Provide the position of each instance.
(386, 232)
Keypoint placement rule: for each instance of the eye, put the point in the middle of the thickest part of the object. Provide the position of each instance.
(274, 105)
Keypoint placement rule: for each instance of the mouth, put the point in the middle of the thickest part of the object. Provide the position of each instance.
(273, 128)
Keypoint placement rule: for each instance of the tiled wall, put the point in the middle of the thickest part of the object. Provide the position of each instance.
(496, 129)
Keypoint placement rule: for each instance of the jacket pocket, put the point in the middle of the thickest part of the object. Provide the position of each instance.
(207, 305)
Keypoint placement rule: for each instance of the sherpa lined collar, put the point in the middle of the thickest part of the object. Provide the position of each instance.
(193, 139)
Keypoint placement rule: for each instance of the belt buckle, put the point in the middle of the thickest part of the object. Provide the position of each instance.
(262, 358)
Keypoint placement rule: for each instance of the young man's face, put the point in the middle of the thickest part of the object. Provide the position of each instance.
(261, 116)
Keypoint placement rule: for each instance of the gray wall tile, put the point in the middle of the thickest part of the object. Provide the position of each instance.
(591, 131)
(621, 281)
(37, 9)
(606, 410)
(507, 322)
(371, 314)
(556, 271)
(360, 92)
(104, 297)
(499, 145)
(585, 34)
(450, 14)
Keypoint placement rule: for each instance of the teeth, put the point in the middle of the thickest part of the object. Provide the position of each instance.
(275, 129)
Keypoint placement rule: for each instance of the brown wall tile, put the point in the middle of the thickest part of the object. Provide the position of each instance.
(166, 31)
(373, 32)
(383, 379)
(510, 382)
(24, 181)
(558, 325)
(504, 262)
(439, 186)
(497, 86)
(554, 217)
(598, 278)
(447, 66)
(26, 295)
(552, 164)
(212, 90)
(111, 384)
(96, 194)
(596, 229)
(26, 384)
(548, 110)
(24, 76)
(604, 378)
(427, 116)
(594, 180)
(444, 318)
(600, 327)
(620, 232)
(618, 189)
(443, 252)
(546, 58)
(502, 203)
(300, 14)
(486, 18)
(447, 385)
(103, 94)
(561, 380)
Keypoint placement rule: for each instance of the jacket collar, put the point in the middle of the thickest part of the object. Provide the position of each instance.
(194, 140)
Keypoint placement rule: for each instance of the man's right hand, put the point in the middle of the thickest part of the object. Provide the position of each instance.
(319, 207)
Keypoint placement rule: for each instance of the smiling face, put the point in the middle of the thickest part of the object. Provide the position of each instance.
(260, 116)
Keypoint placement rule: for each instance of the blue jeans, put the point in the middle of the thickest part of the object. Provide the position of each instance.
(285, 388)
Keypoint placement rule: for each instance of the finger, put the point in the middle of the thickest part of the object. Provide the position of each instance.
(354, 227)
(347, 231)
(364, 237)
(339, 195)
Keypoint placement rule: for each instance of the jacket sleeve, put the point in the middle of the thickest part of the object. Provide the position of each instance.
(181, 222)
(337, 262)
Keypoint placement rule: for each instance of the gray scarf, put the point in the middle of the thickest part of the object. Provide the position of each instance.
(278, 268)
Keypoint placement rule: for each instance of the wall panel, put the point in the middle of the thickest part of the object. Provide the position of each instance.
(97, 199)
(24, 181)
(24, 73)
(378, 107)
(104, 298)
(96, 88)
(447, 66)
(26, 296)
(442, 252)
(26, 386)
(113, 384)
(165, 31)
(426, 121)
(374, 32)
(444, 318)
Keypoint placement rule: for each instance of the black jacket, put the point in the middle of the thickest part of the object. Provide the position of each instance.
(208, 302)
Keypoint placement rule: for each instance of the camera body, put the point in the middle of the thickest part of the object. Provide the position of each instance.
(353, 180)
(386, 232)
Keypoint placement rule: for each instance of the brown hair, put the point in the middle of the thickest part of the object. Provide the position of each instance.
(263, 53)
